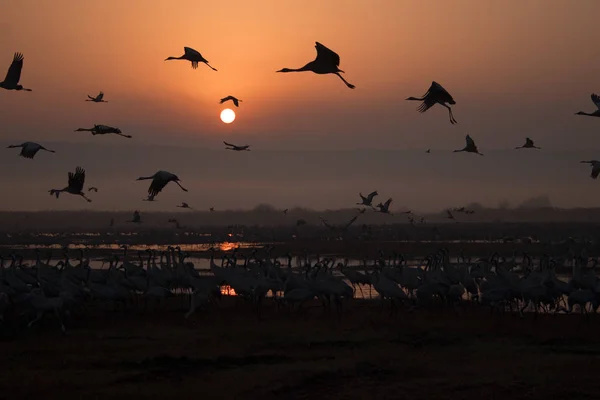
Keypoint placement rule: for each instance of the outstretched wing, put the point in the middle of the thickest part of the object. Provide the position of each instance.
(528, 142)
(595, 98)
(192, 52)
(350, 222)
(90, 97)
(328, 55)
(100, 96)
(387, 203)
(77, 179)
(470, 142)
(14, 71)
(156, 186)
(229, 144)
(224, 99)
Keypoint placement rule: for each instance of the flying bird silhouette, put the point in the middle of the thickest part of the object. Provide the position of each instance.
(436, 94)
(528, 145)
(234, 99)
(368, 200)
(192, 55)
(30, 149)
(595, 167)
(97, 99)
(385, 207)
(159, 181)
(236, 148)
(103, 130)
(596, 101)
(13, 76)
(184, 205)
(326, 62)
(76, 181)
(470, 147)
(428, 151)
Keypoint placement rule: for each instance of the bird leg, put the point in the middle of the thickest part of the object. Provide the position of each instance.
(351, 86)
(214, 69)
(452, 120)
(84, 196)
(121, 134)
(55, 192)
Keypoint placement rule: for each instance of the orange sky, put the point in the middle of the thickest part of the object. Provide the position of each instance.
(515, 68)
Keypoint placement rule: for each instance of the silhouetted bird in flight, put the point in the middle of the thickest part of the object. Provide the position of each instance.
(596, 100)
(13, 76)
(368, 200)
(236, 148)
(435, 95)
(595, 167)
(428, 151)
(234, 99)
(76, 181)
(184, 205)
(528, 145)
(97, 99)
(327, 62)
(470, 147)
(449, 215)
(29, 149)
(285, 211)
(192, 55)
(159, 181)
(103, 130)
(385, 207)
(93, 189)
(212, 209)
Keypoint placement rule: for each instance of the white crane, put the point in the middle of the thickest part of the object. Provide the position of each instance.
(326, 62)
(103, 130)
(30, 149)
(595, 167)
(596, 100)
(192, 55)
(528, 145)
(97, 99)
(13, 76)
(470, 147)
(436, 94)
(76, 181)
(236, 148)
(232, 98)
(159, 181)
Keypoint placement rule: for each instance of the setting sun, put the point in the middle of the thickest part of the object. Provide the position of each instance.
(227, 115)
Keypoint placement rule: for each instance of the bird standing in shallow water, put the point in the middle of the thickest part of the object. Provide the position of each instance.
(234, 99)
(13, 76)
(528, 145)
(436, 94)
(30, 149)
(596, 101)
(470, 147)
(76, 181)
(192, 55)
(327, 62)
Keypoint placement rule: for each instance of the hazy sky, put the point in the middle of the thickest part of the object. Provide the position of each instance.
(514, 68)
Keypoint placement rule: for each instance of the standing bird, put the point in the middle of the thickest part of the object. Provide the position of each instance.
(11, 81)
(93, 189)
(192, 55)
(97, 99)
(234, 99)
(327, 62)
(29, 149)
(528, 145)
(367, 201)
(76, 181)
(103, 130)
(596, 100)
(185, 205)
(595, 167)
(385, 208)
(470, 147)
(159, 181)
(435, 95)
(137, 218)
(236, 148)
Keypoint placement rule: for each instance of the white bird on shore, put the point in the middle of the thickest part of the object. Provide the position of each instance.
(30, 149)
(192, 55)
(159, 181)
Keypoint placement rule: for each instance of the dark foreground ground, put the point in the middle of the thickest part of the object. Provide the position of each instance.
(227, 353)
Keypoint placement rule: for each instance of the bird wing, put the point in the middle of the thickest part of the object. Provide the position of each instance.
(77, 179)
(192, 52)
(14, 71)
(528, 142)
(229, 144)
(90, 97)
(100, 96)
(596, 100)
(470, 142)
(440, 93)
(595, 170)
(158, 183)
(387, 203)
(325, 54)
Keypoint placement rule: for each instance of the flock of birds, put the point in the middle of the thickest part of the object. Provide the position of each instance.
(64, 290)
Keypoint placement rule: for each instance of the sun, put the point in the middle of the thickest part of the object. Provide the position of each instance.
(227, 115)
